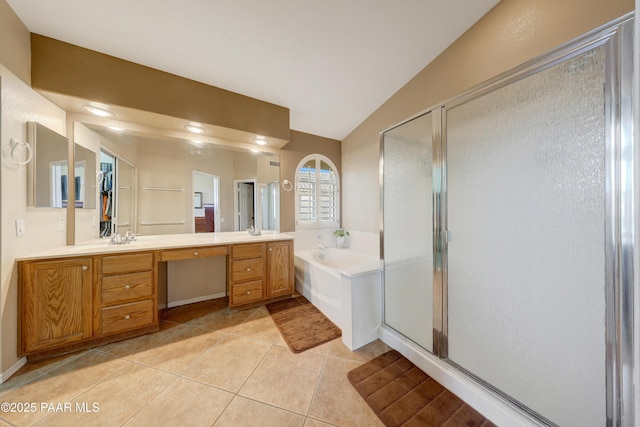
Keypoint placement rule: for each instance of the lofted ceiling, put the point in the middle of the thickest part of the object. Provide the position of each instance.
(331, 62)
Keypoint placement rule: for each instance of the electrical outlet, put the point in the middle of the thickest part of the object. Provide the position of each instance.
(61, 224)
(21, 228)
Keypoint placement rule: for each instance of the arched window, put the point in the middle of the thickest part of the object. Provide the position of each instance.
(317, 193)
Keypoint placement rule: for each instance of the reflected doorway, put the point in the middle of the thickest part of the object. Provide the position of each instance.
(245, 204)
(107, 193)
(206, 202)
(117, 184)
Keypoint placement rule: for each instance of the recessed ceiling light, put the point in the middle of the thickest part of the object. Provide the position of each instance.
(116, 128)
(260, 140)
(194, 128)
(196, 141)
(98, 111)
(253, 150)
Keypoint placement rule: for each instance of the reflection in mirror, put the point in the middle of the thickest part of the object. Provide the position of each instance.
(85, 176)
(206, 196)
(125, 191)
(117, 200)
(270, 197)
(167, 172)
(48, 170)
(107, 199)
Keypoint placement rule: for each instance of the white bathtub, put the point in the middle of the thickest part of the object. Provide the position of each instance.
(346, 286)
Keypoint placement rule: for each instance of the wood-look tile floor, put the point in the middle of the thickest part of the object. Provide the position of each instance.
(207, 366)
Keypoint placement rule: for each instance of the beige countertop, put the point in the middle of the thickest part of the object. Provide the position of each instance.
(146, 243)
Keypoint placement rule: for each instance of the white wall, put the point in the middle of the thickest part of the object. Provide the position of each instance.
(19, 105)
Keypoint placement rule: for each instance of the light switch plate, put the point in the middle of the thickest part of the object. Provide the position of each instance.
(21, 228)
(61, 224)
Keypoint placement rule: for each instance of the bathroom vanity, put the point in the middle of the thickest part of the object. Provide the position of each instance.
(81, 296)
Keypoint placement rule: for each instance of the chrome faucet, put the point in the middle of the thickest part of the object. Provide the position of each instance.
(118, 239)
(253, 232)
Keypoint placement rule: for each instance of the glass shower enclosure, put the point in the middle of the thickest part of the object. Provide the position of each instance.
(506, 232)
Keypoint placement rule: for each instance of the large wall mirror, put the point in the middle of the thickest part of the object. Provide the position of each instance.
(49, 170)
(156, 184)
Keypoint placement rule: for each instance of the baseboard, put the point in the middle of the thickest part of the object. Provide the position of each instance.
(13, 369)
(197, 299)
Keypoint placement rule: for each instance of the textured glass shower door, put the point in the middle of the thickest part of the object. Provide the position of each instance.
(408, 229)
(526, 255)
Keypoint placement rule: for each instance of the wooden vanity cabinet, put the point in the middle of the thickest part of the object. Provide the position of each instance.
(125, 297)
(246, 273)
(73, 303)
(78, 302)
(260, 271)
(56, 303)
(280, 272)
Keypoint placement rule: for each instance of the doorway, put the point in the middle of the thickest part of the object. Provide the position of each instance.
(117, 187)
(107, 194)
(244, 204)
(206, 202)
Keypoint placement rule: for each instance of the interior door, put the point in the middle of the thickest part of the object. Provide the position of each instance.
(408, 230)
(526, 203)
(245, 205)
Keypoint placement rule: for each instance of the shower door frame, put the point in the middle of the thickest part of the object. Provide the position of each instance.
(620, 170)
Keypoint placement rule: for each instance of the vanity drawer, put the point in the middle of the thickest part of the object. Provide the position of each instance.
(178, 254)
(126, 287)
(130, 263)
(246, 269)
(127, 316)
(253, 250)
(246, 292)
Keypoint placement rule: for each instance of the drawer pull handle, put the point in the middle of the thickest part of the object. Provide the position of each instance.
(127, 317)
(85, 268)
(270, 249)
(196, 253)
(127, 287)
(248, 269)
(248, 292)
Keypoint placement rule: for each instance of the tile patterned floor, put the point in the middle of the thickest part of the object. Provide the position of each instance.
(207, 366)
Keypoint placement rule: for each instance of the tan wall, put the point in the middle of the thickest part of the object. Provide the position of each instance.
(15, 48)
(301, 145)
(508, 35)
(19, 105)
(71, 70)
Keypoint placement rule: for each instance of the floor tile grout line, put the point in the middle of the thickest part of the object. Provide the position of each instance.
(270, 405)
(71, 358)
(254, 369)
(93, 386)
(151, 399)
(315, 390)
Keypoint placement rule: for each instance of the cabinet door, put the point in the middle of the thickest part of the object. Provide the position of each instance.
(56, 303)
(279, 268)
